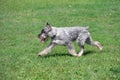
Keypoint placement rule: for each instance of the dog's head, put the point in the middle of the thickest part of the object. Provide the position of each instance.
(44, 33)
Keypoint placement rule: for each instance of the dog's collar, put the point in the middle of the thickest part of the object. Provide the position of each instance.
(53, 37)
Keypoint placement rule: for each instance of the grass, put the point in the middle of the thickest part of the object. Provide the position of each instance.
(22, 20)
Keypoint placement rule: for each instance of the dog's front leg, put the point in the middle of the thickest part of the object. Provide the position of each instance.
(46, 50)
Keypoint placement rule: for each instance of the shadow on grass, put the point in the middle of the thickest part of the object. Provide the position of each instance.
(66, 54)
(58, 55)
(88, 52)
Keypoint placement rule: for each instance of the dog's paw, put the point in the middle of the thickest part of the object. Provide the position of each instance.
(41, 54)
(74, 55)
(101, 48)
(79, 55)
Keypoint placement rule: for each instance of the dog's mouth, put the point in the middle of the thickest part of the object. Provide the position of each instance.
(43, 37)
(43, 40)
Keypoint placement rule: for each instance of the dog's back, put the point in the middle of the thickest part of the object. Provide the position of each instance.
(70, 33)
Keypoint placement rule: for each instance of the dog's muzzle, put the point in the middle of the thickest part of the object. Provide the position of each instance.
(43, 37)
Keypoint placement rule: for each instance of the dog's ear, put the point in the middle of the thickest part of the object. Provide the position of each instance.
(48, 26)
(47, 23)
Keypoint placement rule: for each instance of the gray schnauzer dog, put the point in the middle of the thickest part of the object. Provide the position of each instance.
(65, 36)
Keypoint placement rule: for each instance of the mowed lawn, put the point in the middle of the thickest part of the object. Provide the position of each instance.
(21, 22)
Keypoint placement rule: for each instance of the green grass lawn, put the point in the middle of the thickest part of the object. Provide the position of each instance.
(21, 22)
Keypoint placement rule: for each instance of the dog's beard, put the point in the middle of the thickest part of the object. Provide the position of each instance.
(43, 40)
(43, 37)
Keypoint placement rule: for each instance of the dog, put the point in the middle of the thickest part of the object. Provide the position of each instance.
(65, 36)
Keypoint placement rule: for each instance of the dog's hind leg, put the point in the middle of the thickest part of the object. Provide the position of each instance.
(81, 41)
(94, 43)
(81, 45)
(82, 51)
(71, 49)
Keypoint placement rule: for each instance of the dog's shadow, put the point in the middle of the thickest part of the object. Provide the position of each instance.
(67, 54)
(57, 55)
(88, 52)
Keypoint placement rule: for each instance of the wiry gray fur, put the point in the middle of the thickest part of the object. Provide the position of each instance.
(65, 36)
